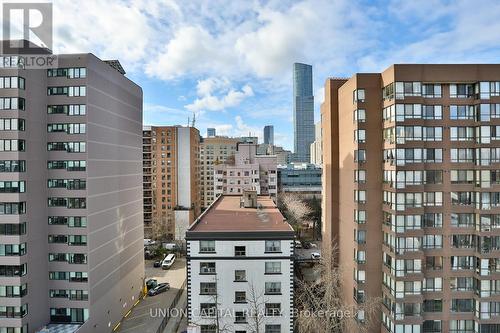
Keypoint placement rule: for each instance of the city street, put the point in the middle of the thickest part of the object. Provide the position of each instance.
(145, 317)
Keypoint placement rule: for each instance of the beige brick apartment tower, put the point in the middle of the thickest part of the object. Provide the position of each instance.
(171, 165)
(411, 182)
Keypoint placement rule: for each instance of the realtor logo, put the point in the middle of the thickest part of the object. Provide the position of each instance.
(32, 22)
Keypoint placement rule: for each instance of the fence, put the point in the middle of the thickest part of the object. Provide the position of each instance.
(165, 319)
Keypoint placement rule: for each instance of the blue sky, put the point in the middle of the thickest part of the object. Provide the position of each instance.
(230, 62)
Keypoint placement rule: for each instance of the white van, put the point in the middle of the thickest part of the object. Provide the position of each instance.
(168, 261)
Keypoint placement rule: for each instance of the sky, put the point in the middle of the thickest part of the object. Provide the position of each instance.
(230, 62)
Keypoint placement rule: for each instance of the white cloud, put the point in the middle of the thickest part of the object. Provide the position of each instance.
(218, 94)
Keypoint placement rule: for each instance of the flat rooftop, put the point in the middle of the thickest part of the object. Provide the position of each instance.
(227, 216)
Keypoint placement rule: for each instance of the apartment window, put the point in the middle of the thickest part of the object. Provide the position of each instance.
(462, 220)
(462, 155)
(208, 309)
(240, 297)
(359, 115)
(207, 246)
(13, 311)
(462, 133)
(71, 128)
(461, 90)
(67, 91)
(12, 208)
(273, 288)
(12, 166)
(71, 73)
(360, 236)
(12, 145)
(360, 196)
(12, 103)
(77, 240)
(207, 268)
(462, 262)
(273, 246)
(69, 184)
(12, 124)
(462, 326)
(16, 229)
(360, 136)
(462, 176)
(489, 222)
(360, 176)
(462, 305)
(388, 91)
(462, 112)
(70, 147)
(240, 276)
(272, 328)
(406, 89)
(462, 198)
(12, 82)
(433, 263)
(408, 111)
(12, 186)
(433, 199)
(12, 249)
(70, 110)
(360, 155)
(273, 267)
(208, 288)
(239, 251)
(13, 291)
(432, 112)
(208, 329)
(13, 270)
(433, 220)
(431, 90)
(462, 283)
(240, 317)
(360, 216)
(433, 305)
(273, 309)
(433, 284)
(432, 241)
(358, 95)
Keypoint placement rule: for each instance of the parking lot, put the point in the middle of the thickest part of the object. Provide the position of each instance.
(145, 317)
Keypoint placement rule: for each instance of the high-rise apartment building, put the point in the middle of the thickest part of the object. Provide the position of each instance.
(303, 111)
(411, 192)
(171, 172)
(269, 135)
(317, 146)
(248, 171)
(240, 263)
(71, 235)
(211, 132)
(213, 151)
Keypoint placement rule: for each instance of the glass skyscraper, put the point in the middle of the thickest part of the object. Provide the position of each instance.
(269, 135)
(303, 111)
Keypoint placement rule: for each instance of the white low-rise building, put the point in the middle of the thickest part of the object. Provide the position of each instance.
(240, 267)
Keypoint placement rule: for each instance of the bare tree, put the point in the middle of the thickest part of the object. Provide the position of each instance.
(296, 209)
(215, 313)
(256, 311)
(319, 304)
(159, 228)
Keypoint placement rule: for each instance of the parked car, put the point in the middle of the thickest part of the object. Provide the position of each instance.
(313, 245)
(316, 255)
(151, 283)
(168, 261)
(148, 242)
(157, 263)
(298, 244)
(161, 288)
(171, 246)
(306, 245)
(148, 254)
